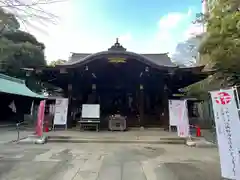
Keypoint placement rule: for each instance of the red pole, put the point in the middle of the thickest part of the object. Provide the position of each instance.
(198, 131)
(46, 125)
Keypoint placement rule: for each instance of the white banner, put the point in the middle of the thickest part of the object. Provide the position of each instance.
(183, 121)
(227, 129)
(173, 111)
(178, 116)
(61, 110)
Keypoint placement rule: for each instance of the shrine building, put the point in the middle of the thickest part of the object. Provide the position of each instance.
(137, 86)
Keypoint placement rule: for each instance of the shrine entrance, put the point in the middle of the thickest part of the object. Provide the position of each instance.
(127, 87)
(136, 85)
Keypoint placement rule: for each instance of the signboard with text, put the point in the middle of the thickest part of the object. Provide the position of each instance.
(61, 110)
(227, 129)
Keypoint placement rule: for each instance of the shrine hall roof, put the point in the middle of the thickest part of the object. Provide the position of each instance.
(118, 50)
(158, 59)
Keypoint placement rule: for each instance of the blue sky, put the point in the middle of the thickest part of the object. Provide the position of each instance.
(143, 26)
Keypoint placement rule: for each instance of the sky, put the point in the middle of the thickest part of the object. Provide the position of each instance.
(142, 26)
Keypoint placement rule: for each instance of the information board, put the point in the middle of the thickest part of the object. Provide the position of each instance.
(61, 110)
(91, 111)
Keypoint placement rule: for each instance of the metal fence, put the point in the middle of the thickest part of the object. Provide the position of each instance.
(16, 131)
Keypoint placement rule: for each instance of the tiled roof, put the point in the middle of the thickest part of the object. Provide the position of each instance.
(16, 86)
(158, 59)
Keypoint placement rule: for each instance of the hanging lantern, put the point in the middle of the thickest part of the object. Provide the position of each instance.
(141, 87)
(94, 87)
(38, 71)
(63, 71)
(28, 73)
(69, 87)
(165, 87)
(146, 69)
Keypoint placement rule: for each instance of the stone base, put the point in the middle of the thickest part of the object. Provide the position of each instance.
(33, 140)
(200, 144)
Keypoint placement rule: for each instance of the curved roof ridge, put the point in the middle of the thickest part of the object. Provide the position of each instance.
(161, 59)
(156, 53)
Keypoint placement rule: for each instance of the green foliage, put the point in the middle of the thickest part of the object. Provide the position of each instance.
(18, 50)
(21, 36)
(20, 55)
(57, 62)
(222, 42)
(220, 47)
(8, 21)
(200, 18)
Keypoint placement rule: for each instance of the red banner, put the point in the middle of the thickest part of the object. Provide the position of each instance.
(40, 118)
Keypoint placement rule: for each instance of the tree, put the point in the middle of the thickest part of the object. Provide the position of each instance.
(187, 52)
(222, 42)
(220, 48)
(24, 10)
(8, 22)
(29, 11)
(57, 62)
(18, 50)
(22, 37)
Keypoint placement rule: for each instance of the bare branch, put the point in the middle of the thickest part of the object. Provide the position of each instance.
(31, 4)
(30, 11)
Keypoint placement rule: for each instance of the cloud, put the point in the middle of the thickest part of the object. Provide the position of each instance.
(193, 30)
(170, 21)
(171, 30)
(67, 36)
(70, 34)
(177, 33)
(125, 37)
(56, 35)
(186, 51)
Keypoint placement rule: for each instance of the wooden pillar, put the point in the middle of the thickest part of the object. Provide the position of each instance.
(165, 110)
(69, 116)
(141, 105)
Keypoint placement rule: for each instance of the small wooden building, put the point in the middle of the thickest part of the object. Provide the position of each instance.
(136, 85)
(15, 100)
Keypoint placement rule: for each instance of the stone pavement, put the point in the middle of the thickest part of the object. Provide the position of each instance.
(10, 134)
(107, 162)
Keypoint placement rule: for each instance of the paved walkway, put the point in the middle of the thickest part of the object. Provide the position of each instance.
(107, 162)
(11, 134)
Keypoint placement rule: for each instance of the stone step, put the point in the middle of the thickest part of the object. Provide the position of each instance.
(115, 137)
(104, 140)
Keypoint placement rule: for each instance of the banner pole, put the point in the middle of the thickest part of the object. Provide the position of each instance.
(237, 97)
(170, 129)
